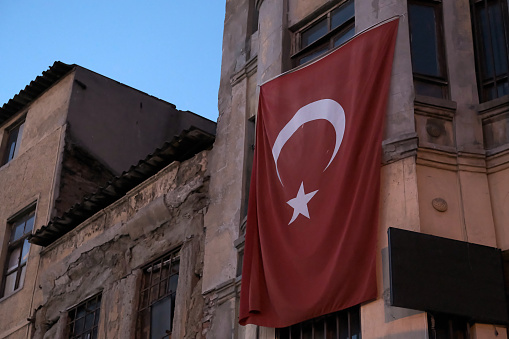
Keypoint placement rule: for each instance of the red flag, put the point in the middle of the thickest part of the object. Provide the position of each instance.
(313, 207)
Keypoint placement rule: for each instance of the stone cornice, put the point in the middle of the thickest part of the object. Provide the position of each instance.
(246, 71)
(452, 161)
(400, 147)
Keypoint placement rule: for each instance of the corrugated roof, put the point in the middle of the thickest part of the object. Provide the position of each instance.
(33, 90)
(182, 147)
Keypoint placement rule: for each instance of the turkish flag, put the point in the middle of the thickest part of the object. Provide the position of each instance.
(313, 206)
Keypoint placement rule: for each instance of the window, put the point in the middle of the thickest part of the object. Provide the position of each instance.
(84, 319)
(490, 20)
(324, 33)
(17, 253)
(344, 324)
(157, 299)
(427, 48)
(447, 327)
(14, 135)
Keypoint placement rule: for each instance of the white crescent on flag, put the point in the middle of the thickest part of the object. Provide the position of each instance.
(326, 109)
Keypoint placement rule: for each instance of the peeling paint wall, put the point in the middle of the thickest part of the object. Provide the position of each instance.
(105, 253)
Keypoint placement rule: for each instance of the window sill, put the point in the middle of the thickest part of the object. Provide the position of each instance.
(491, 105)
(13, 293)
(436, 102)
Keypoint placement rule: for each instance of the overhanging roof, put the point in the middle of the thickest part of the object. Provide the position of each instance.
(33, 90)
(182, 147)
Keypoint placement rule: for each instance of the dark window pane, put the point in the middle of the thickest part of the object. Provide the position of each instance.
(18, 138)
(318, 329)
(11, 148)
(173, 283)
(22, 276)
(17, 231)
(29, 224)
(342, 14)
(307, 330)
(313, 55)
(355, 325)
(160, 280)
(343, 325)
(423, 40)
(344, 36)
(498, 39)
(429, 89)
(160, 319)
(84, 318)
(13, 142)
(331, 327)
(314, 33)
(502, 88)
(13, 262)
(24, 252)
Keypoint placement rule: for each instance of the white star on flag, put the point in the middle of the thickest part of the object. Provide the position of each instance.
(300, 203)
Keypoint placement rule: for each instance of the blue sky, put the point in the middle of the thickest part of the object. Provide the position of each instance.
(170, 49)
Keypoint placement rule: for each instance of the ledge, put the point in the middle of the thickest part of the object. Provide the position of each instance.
(248, 70)
(400, 147)
(435, 107)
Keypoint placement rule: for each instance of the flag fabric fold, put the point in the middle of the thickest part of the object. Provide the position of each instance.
(313, 206)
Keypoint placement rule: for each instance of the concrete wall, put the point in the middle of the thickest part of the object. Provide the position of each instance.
(28, 178)
(119, 125)
(105, 254)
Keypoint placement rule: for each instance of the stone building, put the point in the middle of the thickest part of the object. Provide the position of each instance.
(71, 199)
(445, 154)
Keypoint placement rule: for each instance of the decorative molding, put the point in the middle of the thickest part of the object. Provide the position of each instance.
(222, 292)
(499, 161)
(439, 204)
(249, 69)
(435, 107)
(400, 147)
(434, 130)
(452, 161)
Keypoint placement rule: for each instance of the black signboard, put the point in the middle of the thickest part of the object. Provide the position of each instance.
(436, 274)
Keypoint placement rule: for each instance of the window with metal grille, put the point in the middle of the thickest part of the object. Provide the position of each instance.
(427, 48)
(344, 324)
(324, 33)
(84, 319)
(17, 253)
(14, 135)
(157, 299)
(441, 326)
(490, 25)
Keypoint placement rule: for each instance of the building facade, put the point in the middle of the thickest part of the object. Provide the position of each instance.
(444, 170)
(71, 146)
(93, 248)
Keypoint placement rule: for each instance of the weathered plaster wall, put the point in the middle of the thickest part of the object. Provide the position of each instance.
(105, 253)
(80, 175)
(28, 178)
(120, 125)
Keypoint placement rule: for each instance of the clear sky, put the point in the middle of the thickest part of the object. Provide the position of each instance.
(170, 49)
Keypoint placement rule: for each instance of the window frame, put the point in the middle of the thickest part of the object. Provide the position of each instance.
(146, 300)
(8, 132)
(484, 80)
(72, 320)
(442, 80)
(337, 317)
(326, 41)
(453, 325)
(14, 244)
